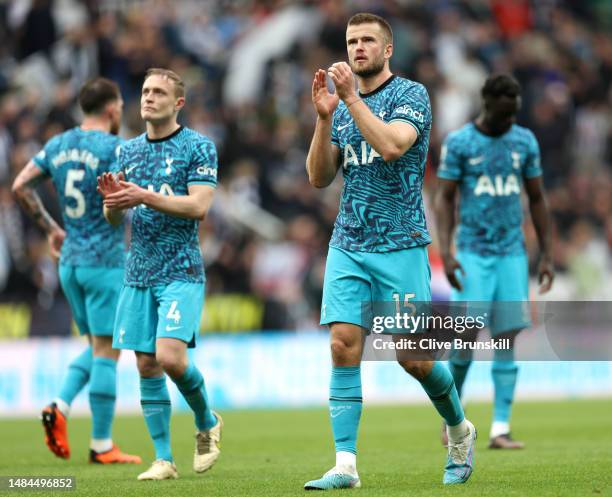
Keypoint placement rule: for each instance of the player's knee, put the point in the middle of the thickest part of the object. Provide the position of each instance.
(416, 369)
(341, 350)
(171, 362)
(103, 347)
(166, 359)
(148, 367)
(346, 344)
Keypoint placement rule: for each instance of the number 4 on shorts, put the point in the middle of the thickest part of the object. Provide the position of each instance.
(173, 312)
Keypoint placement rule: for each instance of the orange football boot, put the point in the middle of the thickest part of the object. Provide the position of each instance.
(113, 456)
(56, 434)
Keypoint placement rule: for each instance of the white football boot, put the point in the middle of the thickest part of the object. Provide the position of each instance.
(208, 447)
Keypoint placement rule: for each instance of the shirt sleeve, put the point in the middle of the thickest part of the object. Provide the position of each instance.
(115, 165)
(41, 160)
(335, 139)
(450, 159)
(204, 166)
(412, 106)
(532, 167)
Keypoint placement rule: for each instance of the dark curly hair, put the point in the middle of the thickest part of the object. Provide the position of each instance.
(96, 93)
(501, 85)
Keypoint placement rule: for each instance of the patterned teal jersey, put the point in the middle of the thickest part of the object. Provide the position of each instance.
(381, 208)
(74, 160)
(166, 248)
(490, 172)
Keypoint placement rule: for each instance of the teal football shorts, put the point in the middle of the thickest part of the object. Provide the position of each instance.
(93, 293)
(356, 281)
(145, 314)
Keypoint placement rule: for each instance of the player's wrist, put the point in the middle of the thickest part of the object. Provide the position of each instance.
(351, 100)
(147, 197)
(445, 254)
(546, 257)
(53, 228)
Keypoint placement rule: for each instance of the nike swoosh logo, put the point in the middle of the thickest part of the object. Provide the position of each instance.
(152, 413)
(129, 169)
(340, 128)
(335, 415)
(172, 328)
(474, 161)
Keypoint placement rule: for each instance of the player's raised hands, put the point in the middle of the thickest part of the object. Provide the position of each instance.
(324, 102)
(546, 274)
(344, 80)
(128, 195)
(109, 183)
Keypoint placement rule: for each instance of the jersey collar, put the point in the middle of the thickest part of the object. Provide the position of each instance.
(381, 87)
(484, 133)
(172, 135)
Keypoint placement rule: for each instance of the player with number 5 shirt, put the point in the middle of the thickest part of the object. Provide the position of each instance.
(91, 255)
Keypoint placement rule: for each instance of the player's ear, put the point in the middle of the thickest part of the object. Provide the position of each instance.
(179, 104)
(388, 51)
(109, 109)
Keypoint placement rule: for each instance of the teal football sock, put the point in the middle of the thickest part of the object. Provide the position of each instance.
(504, 372)
(440, 387)
(77, 376)
(459, 369)
(102, 394)
(192, 387)
(345, 402)
(156, 408)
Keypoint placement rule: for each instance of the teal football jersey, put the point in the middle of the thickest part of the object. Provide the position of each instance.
(74, 160)
(166, 248)
(381, 207)
(490, 172)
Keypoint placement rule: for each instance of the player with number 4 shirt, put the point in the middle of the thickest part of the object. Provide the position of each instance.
(167, 176)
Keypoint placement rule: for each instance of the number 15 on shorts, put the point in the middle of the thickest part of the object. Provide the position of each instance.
(408, 306)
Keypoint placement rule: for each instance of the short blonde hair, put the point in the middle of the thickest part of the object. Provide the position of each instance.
(179, 86)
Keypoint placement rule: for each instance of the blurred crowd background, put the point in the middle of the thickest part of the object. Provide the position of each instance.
(248, 66)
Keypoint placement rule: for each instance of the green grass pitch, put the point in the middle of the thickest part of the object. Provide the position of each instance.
(272, 453)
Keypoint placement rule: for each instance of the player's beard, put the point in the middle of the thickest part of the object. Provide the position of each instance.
(371, 70)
